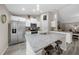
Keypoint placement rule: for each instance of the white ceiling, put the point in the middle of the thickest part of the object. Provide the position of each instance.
(68, 13)
(17, 8)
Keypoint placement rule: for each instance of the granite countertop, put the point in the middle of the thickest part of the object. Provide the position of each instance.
(39, 41)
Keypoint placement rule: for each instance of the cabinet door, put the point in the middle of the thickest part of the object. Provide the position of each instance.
(21, 30)
(44, 26)
(13, 39)
(44, 22)
(21, 37)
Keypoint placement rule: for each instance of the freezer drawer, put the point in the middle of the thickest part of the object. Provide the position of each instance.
(13, 39)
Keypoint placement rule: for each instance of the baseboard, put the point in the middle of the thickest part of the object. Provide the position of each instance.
(4, 51)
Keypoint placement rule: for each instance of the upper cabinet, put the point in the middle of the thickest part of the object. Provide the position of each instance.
(17, 18)
(54, 22)
(26, 20)
(48, 21)
(45, 21)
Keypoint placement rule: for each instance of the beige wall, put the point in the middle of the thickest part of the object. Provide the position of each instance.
(4, 30)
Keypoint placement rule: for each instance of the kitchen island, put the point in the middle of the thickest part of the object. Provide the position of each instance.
(39, 41)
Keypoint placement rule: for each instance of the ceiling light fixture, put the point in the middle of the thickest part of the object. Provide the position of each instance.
(37, 7)
(23, 9)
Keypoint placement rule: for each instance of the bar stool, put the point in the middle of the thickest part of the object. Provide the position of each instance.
(58, 48)
(48, 50)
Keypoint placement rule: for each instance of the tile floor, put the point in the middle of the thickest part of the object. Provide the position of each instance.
(19, 49)
(73, 49)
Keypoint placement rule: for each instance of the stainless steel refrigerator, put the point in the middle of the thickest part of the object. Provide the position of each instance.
(17, 32)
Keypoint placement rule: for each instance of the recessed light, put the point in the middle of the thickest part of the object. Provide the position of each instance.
(23, 9)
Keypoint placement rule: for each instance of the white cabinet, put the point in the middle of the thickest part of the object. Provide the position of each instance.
(27, 23)
(28, 32)
(54, 21)
(46, 21)
(38, 24)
